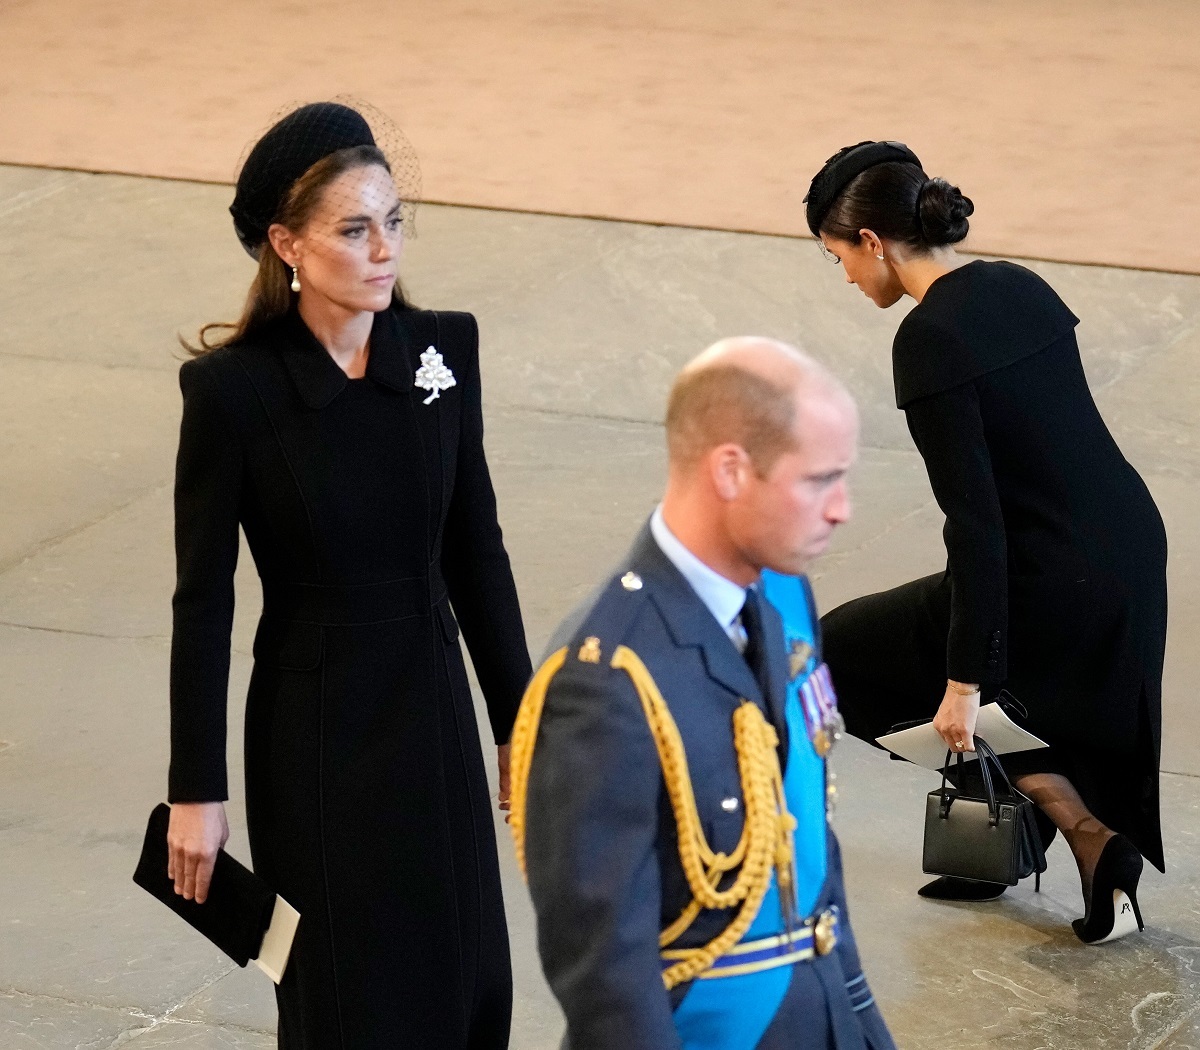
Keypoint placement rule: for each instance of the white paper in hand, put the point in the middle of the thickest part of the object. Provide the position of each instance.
(277, 941)
(922, 746)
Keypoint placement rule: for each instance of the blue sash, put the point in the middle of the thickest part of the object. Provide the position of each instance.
(733, 1013)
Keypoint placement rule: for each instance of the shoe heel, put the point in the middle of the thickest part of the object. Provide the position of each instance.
(1137, 912)
(1112, 910)
(1127, 917)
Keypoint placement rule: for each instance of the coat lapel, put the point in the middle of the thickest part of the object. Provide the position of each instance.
(692, 625)
(777, 675)
(318, 378)
(396, 347)
(689, 620)
(397, 342)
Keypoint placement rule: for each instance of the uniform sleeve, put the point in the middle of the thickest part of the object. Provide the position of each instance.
(862, 1000)
(948, 431)
(592, 824)
(476, 567)
(208, 482)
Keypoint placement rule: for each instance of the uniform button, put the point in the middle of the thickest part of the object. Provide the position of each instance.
(992, 662)
(996, 636)
(730, 805)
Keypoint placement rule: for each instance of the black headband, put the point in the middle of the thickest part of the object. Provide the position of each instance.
(282, 155)
(841, 168)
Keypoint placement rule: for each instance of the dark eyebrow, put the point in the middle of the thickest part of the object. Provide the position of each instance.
(366, 218)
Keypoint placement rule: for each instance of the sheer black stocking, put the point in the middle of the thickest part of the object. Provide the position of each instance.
(1056, 796)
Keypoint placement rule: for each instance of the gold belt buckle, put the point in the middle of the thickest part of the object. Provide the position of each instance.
(824, 934)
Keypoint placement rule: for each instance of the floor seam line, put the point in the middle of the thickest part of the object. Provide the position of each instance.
(85, 634)
(560, 413)
(59, 538)
(106, 366)
(86, 1003)
(797, 236)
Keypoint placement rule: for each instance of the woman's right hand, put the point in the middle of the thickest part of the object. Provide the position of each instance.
(956, 716)
(196, 832)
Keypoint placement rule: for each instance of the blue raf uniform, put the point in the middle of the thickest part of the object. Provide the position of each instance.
(671, 815)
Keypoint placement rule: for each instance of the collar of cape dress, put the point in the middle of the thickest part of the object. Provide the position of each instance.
(974, 320)
(318, 377)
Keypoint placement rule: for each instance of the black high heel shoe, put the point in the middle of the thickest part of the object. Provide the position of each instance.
(1112, 909)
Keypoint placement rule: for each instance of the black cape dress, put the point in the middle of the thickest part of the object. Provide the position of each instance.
(1055, 586)
(370, 514)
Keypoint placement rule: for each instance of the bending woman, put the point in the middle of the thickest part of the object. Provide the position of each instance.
(1055, 586)
(342, 430)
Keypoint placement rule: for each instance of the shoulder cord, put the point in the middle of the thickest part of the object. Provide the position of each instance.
(766, 841)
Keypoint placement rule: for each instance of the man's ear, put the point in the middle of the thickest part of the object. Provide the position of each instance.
(729, 467)
(284, 243)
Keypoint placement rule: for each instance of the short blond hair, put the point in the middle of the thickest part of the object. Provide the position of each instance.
(726, 403)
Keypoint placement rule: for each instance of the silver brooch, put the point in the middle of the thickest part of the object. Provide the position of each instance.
(434, 374)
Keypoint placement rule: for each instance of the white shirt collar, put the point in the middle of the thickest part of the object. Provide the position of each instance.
(723, 598)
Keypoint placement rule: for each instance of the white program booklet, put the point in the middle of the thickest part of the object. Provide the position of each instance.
(277, 941)
(922, 746)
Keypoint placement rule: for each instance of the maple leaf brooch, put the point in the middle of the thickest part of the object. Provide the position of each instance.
(434, 374)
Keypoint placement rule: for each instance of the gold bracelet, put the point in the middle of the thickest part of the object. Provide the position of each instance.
(971, 690)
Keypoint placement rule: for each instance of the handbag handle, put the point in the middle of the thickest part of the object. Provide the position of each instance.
(985, 753)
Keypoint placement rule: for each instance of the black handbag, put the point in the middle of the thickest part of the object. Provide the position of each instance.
(988, 838)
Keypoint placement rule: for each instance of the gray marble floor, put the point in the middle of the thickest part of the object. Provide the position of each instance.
(584, 323)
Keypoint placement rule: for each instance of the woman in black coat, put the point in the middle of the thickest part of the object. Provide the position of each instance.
(1055, 586)
(342, 431)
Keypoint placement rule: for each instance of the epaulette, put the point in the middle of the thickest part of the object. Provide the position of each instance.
(609, 620)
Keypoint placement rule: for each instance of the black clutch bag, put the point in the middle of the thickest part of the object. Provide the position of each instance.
(239, 907)
(986, 837)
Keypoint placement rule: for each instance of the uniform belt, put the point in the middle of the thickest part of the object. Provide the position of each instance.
(346, 605)
(818, 936)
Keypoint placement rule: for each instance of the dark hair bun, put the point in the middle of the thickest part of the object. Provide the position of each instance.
(943, 212)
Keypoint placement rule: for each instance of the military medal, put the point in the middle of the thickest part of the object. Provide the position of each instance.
(799, 652)
(821, 716)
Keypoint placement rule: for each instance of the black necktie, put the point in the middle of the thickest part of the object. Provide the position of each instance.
(756, 647)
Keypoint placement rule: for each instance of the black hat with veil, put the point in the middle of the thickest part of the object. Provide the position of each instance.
(305, 135)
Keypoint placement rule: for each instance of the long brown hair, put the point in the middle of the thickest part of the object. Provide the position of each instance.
(270, 294)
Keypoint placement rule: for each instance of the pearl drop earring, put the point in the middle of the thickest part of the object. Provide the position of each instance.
(296, 278)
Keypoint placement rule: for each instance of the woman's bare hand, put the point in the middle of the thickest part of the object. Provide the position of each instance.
(197, 830)
(955, 719)
(504, 757)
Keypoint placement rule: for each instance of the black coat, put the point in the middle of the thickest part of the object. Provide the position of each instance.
(370, 514)
(1055, 585)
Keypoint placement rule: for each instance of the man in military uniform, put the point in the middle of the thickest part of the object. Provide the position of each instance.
(669, 762)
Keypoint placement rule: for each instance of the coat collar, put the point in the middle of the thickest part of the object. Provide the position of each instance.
(319, 380)
(692, 625)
